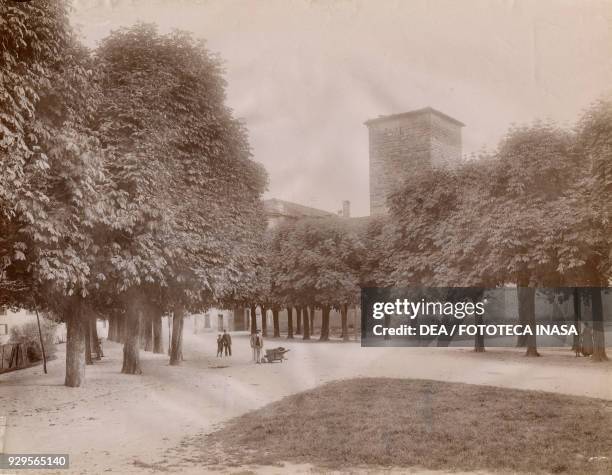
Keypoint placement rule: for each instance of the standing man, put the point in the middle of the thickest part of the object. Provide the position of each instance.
(219, 345)
(256, 345)
(227, 343)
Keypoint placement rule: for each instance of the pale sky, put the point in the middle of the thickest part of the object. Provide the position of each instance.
(306, 74)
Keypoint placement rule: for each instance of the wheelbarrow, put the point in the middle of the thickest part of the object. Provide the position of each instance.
(275, 354)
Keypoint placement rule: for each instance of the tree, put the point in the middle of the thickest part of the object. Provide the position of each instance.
(61, 195)
(539, 183)
(491, 221)
(33, 39)
(194, 194)
(318, 260)
(535, 166)
(412, 247)
(431, 239)
(252, 285)
(592, 199)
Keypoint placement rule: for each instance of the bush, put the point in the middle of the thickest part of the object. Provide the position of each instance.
(28, 333)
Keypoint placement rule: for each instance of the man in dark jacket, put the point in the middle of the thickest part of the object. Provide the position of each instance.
(227, 343)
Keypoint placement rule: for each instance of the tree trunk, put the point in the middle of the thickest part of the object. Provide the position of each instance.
(521, 340)
(298, 317)
(312, 320)
(131, 346)
(344, 318)
(158, 342)
(145, 327)
(599, 340)
(75, 346)
(170, 320)
(253, 319)
(176, 349)
(116, 320)
(324, 323)
(387, 324)
(526, 301)
(479, 344)
(264, 321)
(148, 324)
(88, 336)
(275, 322)
(123, 328)
(306, 320)
(111, 336)
(577, 319)
(290, 322)
(95, 341)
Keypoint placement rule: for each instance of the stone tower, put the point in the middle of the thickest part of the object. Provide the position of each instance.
(402, 143)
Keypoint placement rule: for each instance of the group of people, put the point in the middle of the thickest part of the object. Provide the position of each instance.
(224, 345)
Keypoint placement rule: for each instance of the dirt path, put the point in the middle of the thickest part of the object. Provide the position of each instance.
(124, 423)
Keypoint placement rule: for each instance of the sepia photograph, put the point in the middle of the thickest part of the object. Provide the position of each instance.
(246, 237)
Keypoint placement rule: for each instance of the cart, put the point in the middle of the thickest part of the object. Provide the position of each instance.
(275, 354)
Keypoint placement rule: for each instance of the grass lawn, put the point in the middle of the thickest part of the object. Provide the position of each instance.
(381, 422)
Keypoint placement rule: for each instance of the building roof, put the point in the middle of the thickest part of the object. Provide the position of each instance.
(277, 207)
(425, 110)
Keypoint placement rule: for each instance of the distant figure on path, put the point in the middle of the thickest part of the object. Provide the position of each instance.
(219, 345)
(257, 344)
(227, 343)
